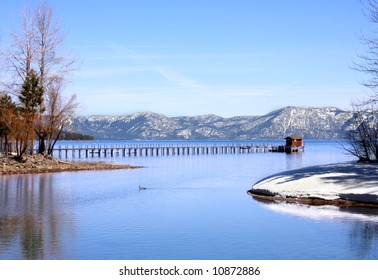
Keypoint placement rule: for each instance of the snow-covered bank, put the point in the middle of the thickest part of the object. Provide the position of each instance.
(344, 181)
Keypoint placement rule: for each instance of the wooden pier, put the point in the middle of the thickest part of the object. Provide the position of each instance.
(159, 150)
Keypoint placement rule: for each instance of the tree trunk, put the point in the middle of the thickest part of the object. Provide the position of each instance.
(51, 148)
(41, 144)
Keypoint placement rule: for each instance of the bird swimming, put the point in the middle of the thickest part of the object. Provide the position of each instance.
(142, 188)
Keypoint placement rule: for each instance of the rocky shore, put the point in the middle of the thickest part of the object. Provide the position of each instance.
(47, 164)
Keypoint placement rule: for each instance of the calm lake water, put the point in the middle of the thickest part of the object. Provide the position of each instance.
(194, 207)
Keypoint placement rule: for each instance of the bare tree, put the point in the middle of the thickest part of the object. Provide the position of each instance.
(7, 108)
(39, 45)
(53, 63)
(367, 61)
(363, 138)
(54, 69)
(58, 111)
(16, 129)
(16, 125)
(19, 57)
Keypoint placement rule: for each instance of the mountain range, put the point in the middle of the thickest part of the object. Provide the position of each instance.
(309, 122)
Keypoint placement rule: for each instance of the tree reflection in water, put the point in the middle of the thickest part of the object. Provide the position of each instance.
(364, 235)
(29, 218)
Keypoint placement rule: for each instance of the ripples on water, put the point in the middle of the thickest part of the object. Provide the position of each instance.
(193, 207)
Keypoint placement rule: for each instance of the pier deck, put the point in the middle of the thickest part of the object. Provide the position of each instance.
(158, 150)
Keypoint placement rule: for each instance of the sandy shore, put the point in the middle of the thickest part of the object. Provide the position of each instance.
(344, 184)
(42, 164)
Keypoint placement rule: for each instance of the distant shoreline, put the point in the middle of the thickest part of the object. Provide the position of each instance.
(343, 185)
(47, 164)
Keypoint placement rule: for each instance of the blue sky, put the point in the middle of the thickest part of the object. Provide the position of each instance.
(224, 57)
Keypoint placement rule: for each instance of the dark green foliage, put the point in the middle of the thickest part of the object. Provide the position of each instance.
(31, 95)
(6, 103)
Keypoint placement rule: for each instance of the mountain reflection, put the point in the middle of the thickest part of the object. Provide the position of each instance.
(30, 220)
(363, 222)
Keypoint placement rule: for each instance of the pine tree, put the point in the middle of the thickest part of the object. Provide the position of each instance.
(31, 100)
(31, 95)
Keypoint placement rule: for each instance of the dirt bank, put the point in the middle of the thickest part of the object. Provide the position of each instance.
(311, 201)
(46, 164)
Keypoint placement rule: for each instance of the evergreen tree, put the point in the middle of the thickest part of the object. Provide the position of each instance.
(31, 95)
(31, 100)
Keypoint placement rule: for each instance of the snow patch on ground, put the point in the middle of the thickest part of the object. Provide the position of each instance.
(350, 181)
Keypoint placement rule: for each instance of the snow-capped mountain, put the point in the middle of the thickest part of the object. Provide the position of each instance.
(310, 122)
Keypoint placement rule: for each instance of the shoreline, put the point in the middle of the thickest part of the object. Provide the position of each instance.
(312, 200)
(344, 185)
(46, 164)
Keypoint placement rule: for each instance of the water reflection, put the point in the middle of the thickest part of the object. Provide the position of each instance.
(363, 222)
(294, 161)
(363, 237)
(29, 218)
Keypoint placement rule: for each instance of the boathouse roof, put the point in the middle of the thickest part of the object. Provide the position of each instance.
(296, 137)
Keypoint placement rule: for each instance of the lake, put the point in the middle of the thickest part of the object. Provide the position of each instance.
(193, 207)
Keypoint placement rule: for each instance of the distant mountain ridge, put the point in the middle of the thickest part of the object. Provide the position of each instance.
(310, 122)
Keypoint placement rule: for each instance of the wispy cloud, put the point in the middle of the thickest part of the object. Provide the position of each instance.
(139, 80)
(179, 79)
(147, 64)
(110, 72)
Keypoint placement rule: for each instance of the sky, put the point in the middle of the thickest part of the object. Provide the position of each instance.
(193, 57)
